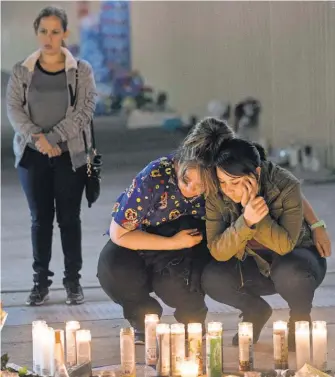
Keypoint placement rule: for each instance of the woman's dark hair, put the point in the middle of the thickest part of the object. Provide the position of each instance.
(196, 151)
(239, 157)
(49, 12)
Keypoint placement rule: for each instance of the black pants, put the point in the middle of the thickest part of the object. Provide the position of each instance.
(49, 184)
(128, 277)
(294, 276)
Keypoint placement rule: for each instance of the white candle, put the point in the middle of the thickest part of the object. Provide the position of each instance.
(214, 357)
(151, 321)
(52, 351)
(127, 352)
(189, 368)
(59, 349)
(48, 355)
(70, 342)
(319, 335)
(245, 339)
(177, 348)
(83, 346)
(280, 345)
(163, 343)
(302, 343)
(37, 334)
(194, 331)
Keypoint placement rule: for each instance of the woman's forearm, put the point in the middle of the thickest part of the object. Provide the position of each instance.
(308, 212)
(139, 240)
(231, 242)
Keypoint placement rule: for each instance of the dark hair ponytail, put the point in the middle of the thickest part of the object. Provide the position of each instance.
(260, 150)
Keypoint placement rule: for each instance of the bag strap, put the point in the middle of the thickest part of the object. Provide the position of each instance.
(91, 125)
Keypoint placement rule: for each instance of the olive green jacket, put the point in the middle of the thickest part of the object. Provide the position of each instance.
(283, 229)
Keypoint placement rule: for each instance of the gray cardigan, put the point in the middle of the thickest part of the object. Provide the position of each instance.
(78, 115)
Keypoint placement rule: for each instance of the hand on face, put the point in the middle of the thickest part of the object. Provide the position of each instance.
(249, 190)
(255, 211)
(255, 206)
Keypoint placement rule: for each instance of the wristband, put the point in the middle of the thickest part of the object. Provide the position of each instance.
(319, 224)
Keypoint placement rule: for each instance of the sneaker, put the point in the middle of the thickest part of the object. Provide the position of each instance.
(139, 338)
(38, 295)
(258, 318)
(74, 291)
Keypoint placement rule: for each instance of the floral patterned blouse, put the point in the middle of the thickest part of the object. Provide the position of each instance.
(154, 198)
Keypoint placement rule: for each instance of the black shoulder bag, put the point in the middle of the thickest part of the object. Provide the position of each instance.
(94, 164)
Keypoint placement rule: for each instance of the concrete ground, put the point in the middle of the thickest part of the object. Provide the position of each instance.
(124, 154)
(16, 340)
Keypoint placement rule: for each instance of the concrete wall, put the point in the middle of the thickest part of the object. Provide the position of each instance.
(281, 52)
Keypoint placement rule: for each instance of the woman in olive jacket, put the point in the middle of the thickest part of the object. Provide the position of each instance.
(259, 238)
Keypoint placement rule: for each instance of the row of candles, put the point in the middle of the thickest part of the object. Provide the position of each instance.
(55, 349)
(165, 347)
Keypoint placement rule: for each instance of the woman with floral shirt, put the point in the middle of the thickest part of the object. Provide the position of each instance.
(157, 235)
(157, 239)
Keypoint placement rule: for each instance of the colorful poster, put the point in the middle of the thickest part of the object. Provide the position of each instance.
(115, 33)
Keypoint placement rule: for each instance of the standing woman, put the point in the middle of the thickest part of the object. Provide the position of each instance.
(50, 104)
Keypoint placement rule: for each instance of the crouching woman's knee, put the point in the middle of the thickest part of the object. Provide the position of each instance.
(110, 270)
(216, 278)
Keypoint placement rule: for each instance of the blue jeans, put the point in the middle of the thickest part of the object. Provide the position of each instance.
(295, 277)
(50, 186)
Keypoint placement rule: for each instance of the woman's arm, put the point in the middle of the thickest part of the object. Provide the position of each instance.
(309, 214)
(320, 236)
(282, 235)
(75, 121)
(18, 118)
(225, 240)
(133, 208)
(139, 240)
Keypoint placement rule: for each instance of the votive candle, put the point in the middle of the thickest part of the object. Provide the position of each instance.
(70, 342)
(194, 331)
(177, 348)
(150, 321)
(163, 344)
(246, 352)
(302, 343)
(319, 335)
(280, 345)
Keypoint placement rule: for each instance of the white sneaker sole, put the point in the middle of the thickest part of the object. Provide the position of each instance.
(29, 303)
(75, 302)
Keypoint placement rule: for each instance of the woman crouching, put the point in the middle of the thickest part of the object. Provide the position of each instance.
(259, 239)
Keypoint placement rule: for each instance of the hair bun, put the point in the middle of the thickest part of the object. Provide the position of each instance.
(203, 142)
(260, 150)
(214, 133)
